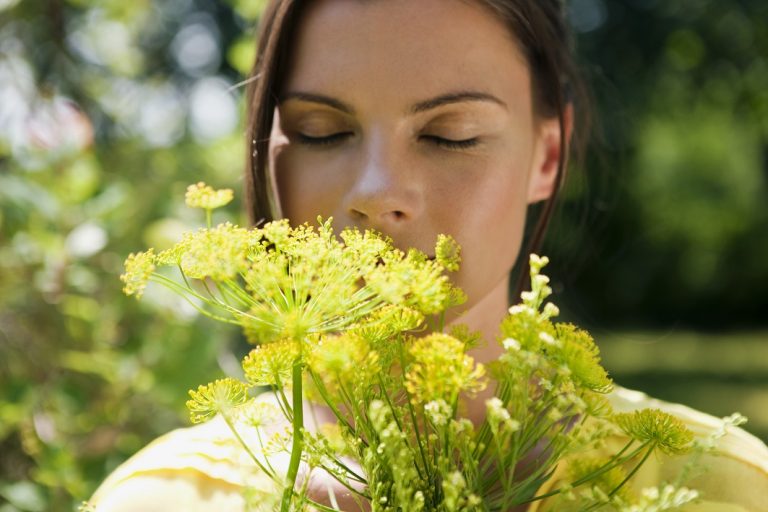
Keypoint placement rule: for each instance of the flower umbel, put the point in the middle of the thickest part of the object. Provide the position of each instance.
(219, 397)
(441, 370)
(448, 252)
(665, 431)
(138, 270)
(271, 364)
(204, 196)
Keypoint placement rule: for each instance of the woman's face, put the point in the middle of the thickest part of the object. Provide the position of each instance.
(414, 119)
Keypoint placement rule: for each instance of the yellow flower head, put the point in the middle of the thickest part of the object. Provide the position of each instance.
(663, 430)
(220, 253)
(448, 252)
(441, 370)
(258, 414)
(387, 322)
(271, 364)
(345, 356)
(204, 196)
(218, 397)
(413, 281)
(578, 352)
(138, 269)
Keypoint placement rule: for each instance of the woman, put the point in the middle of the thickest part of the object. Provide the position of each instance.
(412, 118)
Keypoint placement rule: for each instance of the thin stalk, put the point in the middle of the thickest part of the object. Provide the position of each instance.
(623, 482)
(320, 385)
(231, 426)
(183, 293)
(345, 483)
(399, 423)
(615, 461)
(298, 436)
(236, 291)
(414, 420)
(282, 401)
(261, 445)
(634, 470)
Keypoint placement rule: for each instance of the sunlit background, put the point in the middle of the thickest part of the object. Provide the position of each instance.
(109, 108)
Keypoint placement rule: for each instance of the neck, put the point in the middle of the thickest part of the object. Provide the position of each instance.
(485, 317)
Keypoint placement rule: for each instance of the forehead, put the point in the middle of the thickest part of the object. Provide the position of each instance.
(405, 49)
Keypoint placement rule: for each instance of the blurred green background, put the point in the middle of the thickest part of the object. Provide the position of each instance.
(108, 109)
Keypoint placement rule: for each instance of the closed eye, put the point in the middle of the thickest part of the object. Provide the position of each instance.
(326, 140)
(449, 143)
(334, 138)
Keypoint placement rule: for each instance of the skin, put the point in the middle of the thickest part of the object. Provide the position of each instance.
(414, 119)
(360, 83)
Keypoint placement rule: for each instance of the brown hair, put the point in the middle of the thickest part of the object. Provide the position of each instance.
(538, 25)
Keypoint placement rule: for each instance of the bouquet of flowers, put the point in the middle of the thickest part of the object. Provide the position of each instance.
(351, 322)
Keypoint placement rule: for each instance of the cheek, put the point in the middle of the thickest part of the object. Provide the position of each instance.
(492, 221)
(307, 186)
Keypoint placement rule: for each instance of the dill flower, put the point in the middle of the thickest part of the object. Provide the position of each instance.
(498, 416)
(438, 412)
(441, 370)
(219, 397)
(392, 448)
(333, 436)
(469, 338)
(411, 280)
(220, 253)
(579, 353)
(271, 364)
(304, 280)
(663, 430)
(204, 196)
(278, 442)
(335, 312)
(365, 247)
(537, 262)
(138, 269)
(258, 414)
(346, 357)
(526, 331)
(456, 495)
(381, 326)
(448, 252)
(657, 499)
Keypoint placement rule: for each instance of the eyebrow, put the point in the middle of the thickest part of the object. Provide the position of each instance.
(422, 106)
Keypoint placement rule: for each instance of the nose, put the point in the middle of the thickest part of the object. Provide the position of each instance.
(387, 194)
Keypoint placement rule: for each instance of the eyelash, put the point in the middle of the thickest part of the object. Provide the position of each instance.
(438, 141)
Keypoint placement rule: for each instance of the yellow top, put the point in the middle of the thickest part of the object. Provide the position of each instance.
(203, 468)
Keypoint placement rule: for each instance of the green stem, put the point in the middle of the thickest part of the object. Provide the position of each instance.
(615, 460)
(298, 436)
(248, 450)
(634, 470)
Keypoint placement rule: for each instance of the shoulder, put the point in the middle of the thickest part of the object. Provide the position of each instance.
(734, 474)
(732, 478)
(192, 469)
(737, 443)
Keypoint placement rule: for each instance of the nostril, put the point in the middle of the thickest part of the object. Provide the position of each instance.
(398, 214)
(357, 214)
